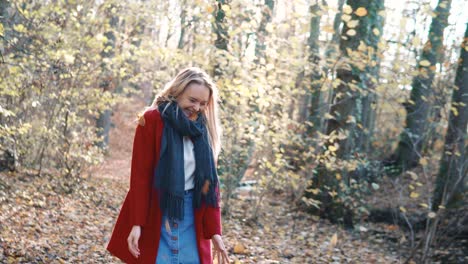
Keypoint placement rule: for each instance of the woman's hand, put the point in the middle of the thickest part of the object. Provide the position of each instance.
(132, 241)
(220, 251)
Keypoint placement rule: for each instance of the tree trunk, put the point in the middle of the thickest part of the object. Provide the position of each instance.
(331, 53)
(451, 180)
(260, 46)
(183, 25)
(357, 80)
(103, 122)
(414, 136)
(315, 76)
(222, 37)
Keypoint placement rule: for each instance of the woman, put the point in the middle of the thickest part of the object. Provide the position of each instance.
(171, 211)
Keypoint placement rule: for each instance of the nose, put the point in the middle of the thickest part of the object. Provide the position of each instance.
(197, 107)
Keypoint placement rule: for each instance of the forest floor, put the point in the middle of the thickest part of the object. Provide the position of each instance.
(42, 221)
(39, 223)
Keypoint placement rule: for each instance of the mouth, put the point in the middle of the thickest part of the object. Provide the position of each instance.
(188, 113)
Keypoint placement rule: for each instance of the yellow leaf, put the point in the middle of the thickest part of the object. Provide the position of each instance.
(402, 209)
(2, 30)
(239, 248)
(351, 32)
(352, 23)
(431, 215)
(416, 41)
(329, 116)
(338, 176)
(347, 9)
(346, 18)
(376, 31)
(333, 241)
(361, 11)
(226, 8)
(423, 161)
(209, 9)
(413, 175)
(425, 63)
(329, 29)
(350, 119)
(424, 205)
(454, 110)
(414, 195)
(19, 28)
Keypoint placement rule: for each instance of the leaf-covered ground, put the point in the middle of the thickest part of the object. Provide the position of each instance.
(40, 223)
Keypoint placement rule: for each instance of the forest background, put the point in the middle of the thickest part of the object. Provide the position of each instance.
(345, 121)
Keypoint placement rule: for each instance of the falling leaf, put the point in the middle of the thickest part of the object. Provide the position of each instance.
(423, 161)
(454, 110)
(361, 11)
(226, 8)
(376, 31)
(416, 41)
(414, 195)
(375, 186)
(332, 148)
(413, 175)
(431, 215)
(329, 116)
(351, 32)
(338, 176)
(352, 23)
(402, 209)
(209, 9)
(141, 120)
(347, 9)
(425, 63)
(328, 29)
(333, 241)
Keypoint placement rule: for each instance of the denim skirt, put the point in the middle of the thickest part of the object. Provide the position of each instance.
(178, 242)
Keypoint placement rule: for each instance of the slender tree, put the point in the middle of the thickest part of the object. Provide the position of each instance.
(315, 76)
(260, 46)
(107, 82)
(451, 180)
(183, 24)
(220, 29)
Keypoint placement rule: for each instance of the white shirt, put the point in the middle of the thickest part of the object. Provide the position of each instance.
(189, 163)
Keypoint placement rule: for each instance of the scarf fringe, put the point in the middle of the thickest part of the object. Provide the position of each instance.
(173, 205)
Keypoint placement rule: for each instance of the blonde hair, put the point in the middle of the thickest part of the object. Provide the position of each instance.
(177, 86)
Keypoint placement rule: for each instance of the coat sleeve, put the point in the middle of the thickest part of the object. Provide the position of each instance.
(212, 221)
(143, 155)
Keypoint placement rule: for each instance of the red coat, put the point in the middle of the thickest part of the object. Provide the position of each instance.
(141, 205)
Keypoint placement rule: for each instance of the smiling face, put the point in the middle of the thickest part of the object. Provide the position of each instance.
(193, 100)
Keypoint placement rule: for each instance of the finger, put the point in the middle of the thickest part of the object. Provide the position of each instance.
(219, 257)
(135, 245)
(137, 248)
(226, 257)
(130, 247)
